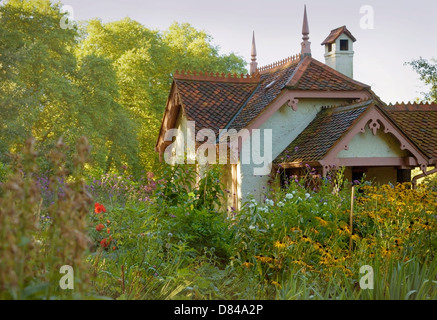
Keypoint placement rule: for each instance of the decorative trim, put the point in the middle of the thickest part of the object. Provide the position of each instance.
(288, 97)
(374, 118)
(272, 67)
(217, 77)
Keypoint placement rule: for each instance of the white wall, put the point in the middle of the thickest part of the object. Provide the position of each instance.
(286, 125)
(367, 145)
(342, 61)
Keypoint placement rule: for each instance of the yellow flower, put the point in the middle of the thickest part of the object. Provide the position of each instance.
(247, 264)
(398, 241)
(314, 230)
(306, 239)
(280, 245)
(322, 222)
(264, 259)
(276, 284)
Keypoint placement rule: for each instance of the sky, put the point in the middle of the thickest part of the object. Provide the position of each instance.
(398, 31)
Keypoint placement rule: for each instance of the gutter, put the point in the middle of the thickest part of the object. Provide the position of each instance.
(422, 175)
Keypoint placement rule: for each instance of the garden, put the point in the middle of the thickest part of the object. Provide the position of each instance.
(166, 236)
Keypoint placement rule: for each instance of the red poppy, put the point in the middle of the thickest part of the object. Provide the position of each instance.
(108, 230)
(100, 227)
(113, 248)
(104, 243)
(99, 208)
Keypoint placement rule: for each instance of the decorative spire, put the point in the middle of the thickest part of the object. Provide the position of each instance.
(306, 45)
(253, 64)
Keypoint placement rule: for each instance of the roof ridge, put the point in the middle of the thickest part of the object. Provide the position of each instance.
(271, 67)
(216, 77)
(414, 103)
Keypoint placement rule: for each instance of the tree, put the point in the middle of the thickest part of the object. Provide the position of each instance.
(107, 81)
(427, 71)
(101, 118)
(36, 67)
(144, 61)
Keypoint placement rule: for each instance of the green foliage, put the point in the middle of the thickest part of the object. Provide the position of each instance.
(107, 81)
(37, 65)
(427, 71)
(36, 240)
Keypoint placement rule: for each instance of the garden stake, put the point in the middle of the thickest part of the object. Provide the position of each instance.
(351, 216)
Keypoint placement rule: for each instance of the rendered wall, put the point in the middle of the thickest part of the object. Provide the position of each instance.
(342, 61)
(286, 125)
(367, 145)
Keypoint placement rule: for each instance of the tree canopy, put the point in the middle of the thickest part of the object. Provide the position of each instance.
(427, 71)
(107, 81)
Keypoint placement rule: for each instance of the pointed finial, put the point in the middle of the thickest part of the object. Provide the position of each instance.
(305, 27)
(253, 64)
(306, 45)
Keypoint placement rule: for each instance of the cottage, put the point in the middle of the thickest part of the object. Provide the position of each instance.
(311, 113)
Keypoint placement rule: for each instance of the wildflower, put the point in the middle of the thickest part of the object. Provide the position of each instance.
(314, 230)
(276, 284)
(104, 243)
(270, 202)
(247, 264)
(150, 175)
(264, 209)
(108, 231)
(289, 196)
(280, 204)
(322, 221)
(113, 248)
(279, 245)
(398, 242)
(355, 237)
(251, 227)
(264, 259)
(99, 208)
(307, 196)
(306, 239)
(100, 227)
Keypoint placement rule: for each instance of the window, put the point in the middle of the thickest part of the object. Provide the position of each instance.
(404, 175)
(329, 47)
(344, 45)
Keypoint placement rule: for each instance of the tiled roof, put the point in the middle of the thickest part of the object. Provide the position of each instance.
(336, 33)
(419, 123)
(271, 84)
(212, 104)
(219, 102)
(322, 133)
(309, 74)
(314, 75)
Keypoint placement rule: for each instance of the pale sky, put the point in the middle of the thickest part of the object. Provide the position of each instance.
(403, 30)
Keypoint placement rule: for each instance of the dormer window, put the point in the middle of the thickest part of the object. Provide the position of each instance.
(344, 45)
(330, 47)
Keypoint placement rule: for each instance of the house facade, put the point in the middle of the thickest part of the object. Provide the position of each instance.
(300, 112)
